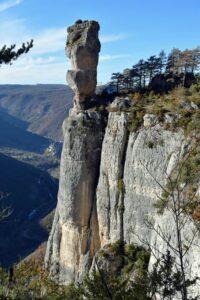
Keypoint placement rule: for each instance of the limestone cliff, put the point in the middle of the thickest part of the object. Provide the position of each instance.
(107, 191)
(74, 237)
(112, 174)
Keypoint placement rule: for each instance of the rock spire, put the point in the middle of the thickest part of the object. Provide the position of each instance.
(83, 47)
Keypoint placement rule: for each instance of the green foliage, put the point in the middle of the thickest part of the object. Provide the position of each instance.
(135, 119)
(150, 144)
(142, 261)
(195, 88)
(164, 279)
(158, 110)
(120, 186)
(108, 285)
(8, 54)
(193, 125)
(116, 248)
(190, 168)
(160, 74)
(130, 251)
(162, 202)
(183, 183)
(30, 281)
(167, 280)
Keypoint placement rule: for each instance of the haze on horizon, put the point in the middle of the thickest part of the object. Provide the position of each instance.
(129, 31)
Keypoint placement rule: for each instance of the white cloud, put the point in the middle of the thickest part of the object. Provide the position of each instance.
(30, 61)
(113, 38)
(8, 4)
(13, 31)
(35, 71)
(47, 41)
(50, 40)
(111, 57)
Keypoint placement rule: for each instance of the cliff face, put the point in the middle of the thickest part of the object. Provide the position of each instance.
(111, 177)
(126, 190)
(74, 237)
(108, 188)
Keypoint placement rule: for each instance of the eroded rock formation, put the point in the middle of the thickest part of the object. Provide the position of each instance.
(74, 238)
(106, 188)
(83, 48)
(106, 191)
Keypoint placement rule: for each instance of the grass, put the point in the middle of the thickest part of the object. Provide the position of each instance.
(177, 104)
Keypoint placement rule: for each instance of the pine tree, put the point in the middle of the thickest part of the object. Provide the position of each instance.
(9, 54)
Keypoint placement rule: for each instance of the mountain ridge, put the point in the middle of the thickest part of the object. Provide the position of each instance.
(42, 107)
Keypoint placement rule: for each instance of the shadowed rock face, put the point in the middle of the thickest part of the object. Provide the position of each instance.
(83, 47)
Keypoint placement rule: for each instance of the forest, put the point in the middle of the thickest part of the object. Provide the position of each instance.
(159, 73)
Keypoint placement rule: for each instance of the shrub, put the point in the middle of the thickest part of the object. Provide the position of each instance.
(150, 144)
(135, 119)
(120, 186)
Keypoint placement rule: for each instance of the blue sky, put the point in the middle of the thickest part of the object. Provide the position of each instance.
(130, 30)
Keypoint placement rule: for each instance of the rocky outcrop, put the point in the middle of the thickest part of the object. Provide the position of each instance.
(108, 188)
(74, 238)
(83, 48)
(110, 178)
(150, 153)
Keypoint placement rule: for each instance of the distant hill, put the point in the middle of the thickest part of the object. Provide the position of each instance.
(32, 196)
(31, 120)
(37, 108)
(12, 136)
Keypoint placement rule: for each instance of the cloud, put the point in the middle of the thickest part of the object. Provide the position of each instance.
(33, 71)
(13, 31)
(113, 38)
(8, 4)
(49, 41)
(111, 57)
(30, 61)
(46, 41)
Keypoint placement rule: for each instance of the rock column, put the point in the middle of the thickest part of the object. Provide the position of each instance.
(83, 48)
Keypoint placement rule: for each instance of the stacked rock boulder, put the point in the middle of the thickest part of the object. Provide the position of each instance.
(83, 48)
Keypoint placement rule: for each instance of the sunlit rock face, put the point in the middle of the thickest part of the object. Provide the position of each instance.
(108, 187)
(83, 48)
(74, 237)
(110, 176)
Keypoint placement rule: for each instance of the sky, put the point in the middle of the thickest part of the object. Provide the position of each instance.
(130, 30)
